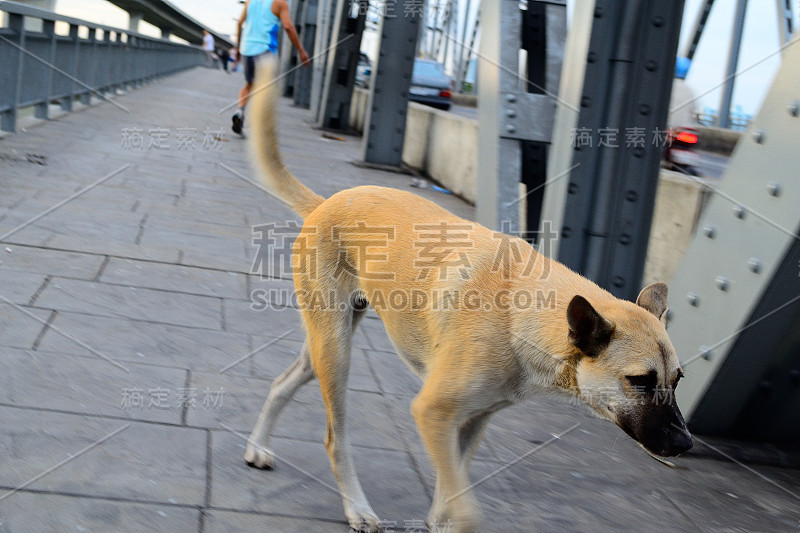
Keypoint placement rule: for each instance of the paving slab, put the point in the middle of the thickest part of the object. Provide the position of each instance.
(50, 262)
(368, 420)
(20, 287)
(144, 462)
(18, 328)
(235, 522)
(147, 342)
(28, 512)
(164, 307)
(177, 278)
(303, 486)
(392, 374)
(77, 384)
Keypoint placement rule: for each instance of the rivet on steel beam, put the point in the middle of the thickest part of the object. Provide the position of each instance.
(510, 128)
(510, 113)
(739, 211)
(774, 188)
(694, 299)
(759, 136)
(722, 283)
(511, 98)
(794, 108)
(710, 231)
(754, 264)
(705, 353)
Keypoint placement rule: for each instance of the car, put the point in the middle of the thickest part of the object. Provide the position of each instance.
(681, 151)
(430, 85)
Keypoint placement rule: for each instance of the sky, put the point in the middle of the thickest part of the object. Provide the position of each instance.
(759, 45)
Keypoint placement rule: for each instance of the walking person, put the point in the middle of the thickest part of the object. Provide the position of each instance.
(208, 46)
(257, 35)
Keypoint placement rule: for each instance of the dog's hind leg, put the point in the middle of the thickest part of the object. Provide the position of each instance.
(330, 339)
(283, 388)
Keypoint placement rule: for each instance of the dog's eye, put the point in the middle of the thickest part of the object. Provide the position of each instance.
(645, 383)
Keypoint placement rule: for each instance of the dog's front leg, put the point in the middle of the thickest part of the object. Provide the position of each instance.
(454, 507)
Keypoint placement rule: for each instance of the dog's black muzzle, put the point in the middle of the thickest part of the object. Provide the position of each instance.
(659, 428)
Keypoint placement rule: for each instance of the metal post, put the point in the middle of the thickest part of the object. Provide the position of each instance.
(617, 141)
(321, 45)
(41, 110)
(471, 45)
(67, 101)
(516, 109)
(385, 124)
(724, 119)
(462, 51)
(14, 65)
(288, 54)
(302, 80)
(697, 30)
(451, 29)
(785, 18)
(340, 72)
(91, 63)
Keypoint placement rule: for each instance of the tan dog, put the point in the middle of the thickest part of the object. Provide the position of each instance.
(481, 317)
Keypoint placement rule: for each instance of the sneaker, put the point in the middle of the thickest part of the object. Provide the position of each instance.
(238, 122)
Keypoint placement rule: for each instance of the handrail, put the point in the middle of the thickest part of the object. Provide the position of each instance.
(40, 68)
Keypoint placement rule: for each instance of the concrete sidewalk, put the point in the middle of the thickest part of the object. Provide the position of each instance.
(134, 363)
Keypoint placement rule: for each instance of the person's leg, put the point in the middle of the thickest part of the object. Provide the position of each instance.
(244, 94)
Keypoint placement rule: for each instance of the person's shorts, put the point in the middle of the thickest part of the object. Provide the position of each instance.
(250, 66)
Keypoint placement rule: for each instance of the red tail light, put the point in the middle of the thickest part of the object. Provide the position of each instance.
(686, 137)
(445, 93)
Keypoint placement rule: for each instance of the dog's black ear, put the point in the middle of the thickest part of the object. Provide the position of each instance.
(588, 330)
(653, 299)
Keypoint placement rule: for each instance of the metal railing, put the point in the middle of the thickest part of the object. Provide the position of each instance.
(40, 68)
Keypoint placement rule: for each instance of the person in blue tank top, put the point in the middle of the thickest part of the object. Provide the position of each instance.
(257, 34)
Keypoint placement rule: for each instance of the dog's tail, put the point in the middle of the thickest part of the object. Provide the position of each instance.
(264, 144)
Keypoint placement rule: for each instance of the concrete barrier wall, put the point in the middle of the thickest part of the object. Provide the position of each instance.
(679, 201)
(717, 140)
(444, 146)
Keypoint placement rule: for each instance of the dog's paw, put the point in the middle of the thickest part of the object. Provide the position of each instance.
(259, 457)
(363, 519)
(464, 520)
